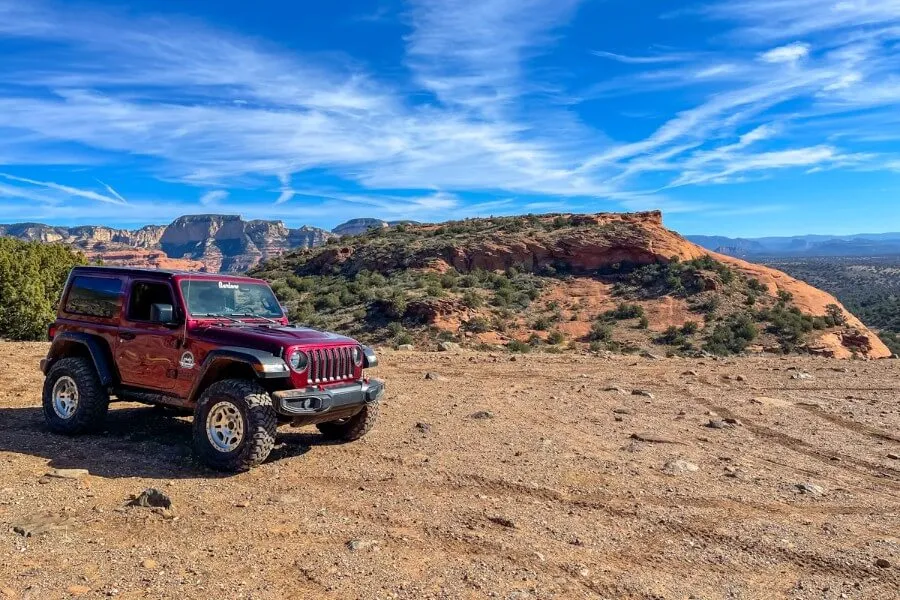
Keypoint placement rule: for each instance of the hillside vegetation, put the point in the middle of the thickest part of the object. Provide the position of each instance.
(868, 286)
(32, 276)
(605, 282)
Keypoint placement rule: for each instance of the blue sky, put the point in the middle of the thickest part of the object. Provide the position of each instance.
(746, 117)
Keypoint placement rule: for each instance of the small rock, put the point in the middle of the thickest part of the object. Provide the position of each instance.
(618, 419)
(482, 414)
(78, 590)
(287, 499)
(653, 438)
(680, 467)
(882, 563)
(423, 427)
(690, 373)
(766, 401)
(716, 424)
(732, 421)
(448, 347)
(431, 375)
(150, 564)
(650, 355)
(357, 545)
(616, 389)
(623, 411)
(502, 521)
(801, 375)
(406, 347)
(735, 473)
(40, 524)
(150, 498)
(242, 504)
(893, 456)
(643, 393)
(67, 473)
(810, 488)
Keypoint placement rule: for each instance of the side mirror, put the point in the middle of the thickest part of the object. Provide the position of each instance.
(162, 313)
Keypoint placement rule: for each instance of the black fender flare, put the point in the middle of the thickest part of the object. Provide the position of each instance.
(96, 347)
(264, 365)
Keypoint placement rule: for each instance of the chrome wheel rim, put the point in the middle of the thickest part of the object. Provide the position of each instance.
(225, 427)
(65, 397)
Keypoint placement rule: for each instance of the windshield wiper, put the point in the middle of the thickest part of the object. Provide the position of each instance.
(250, 316)
(219, 316)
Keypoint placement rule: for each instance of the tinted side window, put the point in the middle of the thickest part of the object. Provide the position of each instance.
(143, 295)
(94, 296)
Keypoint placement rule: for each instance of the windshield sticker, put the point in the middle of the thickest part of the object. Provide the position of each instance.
(224, 285)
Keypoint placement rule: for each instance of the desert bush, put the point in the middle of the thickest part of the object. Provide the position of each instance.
(732, 336)
(32, 276)
(556, 337)
(517, 346)
(600, 332)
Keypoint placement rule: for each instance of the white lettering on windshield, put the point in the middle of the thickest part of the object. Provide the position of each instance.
(224, 285)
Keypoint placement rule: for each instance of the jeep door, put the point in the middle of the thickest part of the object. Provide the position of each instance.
(148, 351)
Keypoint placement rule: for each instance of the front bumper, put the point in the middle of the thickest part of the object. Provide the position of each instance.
(340, 398)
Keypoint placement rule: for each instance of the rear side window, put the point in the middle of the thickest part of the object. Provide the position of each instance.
(94, 296)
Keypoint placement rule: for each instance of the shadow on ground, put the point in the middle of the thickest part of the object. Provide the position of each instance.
(134, 442)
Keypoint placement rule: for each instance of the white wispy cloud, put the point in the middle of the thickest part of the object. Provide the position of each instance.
(787, 85)
(785, 54)
(673, 57)
(213, 197)
(66, 189)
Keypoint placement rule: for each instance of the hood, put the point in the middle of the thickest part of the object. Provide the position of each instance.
(267, 337)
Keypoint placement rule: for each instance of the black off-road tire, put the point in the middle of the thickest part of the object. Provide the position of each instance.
(351, 428)
(260, 422)
(93, 398)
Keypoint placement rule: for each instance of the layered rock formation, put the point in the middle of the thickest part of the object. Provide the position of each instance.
(196, 242)
(589, 249)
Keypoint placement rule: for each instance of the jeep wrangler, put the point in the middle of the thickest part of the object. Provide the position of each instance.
(215, 346)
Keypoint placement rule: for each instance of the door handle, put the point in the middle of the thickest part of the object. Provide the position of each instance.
(124, 335)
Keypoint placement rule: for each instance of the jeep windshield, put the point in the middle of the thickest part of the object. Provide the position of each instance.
(233, 300)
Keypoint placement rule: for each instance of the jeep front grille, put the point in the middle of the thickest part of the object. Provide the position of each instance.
(330, 364)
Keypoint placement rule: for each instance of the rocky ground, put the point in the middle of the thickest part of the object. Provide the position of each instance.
(546, 476)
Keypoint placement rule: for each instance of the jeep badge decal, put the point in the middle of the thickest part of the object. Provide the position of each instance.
(187, 361)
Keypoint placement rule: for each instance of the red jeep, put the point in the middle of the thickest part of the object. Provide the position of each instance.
(217, 346)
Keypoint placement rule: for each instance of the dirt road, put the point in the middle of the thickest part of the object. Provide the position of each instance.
(507, 479)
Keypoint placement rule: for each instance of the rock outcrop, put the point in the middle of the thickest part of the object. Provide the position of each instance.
(587, 249)
(196, 242)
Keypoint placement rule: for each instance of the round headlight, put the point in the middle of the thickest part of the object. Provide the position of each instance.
(298, 360)
(357, 355)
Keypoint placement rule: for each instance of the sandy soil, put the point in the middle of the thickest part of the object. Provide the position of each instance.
(548, 497)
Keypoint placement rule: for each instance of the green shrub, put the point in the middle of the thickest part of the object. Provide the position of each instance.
(517, 346)
(556, 337)
(732, 336)
(690, 328)
(478, 325)
(625, 311)
(472, 299)
(32, 276)
(541, 324)
(600, 332)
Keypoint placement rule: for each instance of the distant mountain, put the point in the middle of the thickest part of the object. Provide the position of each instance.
(215, 243)
(358, 226)
(864, 244)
